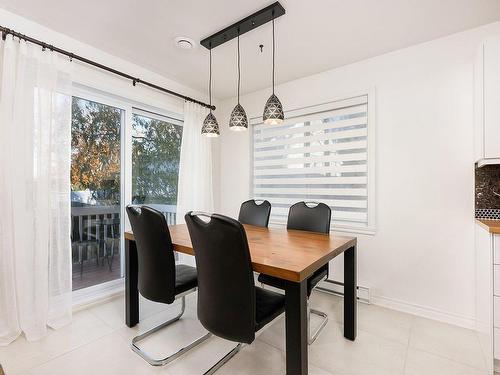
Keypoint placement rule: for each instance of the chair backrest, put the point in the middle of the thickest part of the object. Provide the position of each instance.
(226, 290)
(155, 253)
(255, 214)
(313, 219)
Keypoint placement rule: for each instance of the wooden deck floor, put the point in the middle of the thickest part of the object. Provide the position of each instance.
(94, 274)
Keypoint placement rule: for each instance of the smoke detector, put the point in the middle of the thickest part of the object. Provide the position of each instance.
(184, 42)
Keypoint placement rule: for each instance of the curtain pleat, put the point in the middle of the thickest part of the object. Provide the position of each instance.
(35, 159)
(195, 190)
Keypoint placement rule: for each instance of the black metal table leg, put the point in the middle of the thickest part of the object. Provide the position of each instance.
(131, 289)
(350, 294)
(296, 327)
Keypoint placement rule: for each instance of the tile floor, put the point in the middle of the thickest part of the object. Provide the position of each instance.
(389, 342)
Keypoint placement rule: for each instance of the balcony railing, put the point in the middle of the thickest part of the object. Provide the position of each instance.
(88, 219)
(96, 234)
(169, 211)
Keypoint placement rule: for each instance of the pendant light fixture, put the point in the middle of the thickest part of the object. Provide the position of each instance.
(273, 111)
(238, 120)
(210, 126)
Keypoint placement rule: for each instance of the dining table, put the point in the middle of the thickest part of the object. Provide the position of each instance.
(291, 255)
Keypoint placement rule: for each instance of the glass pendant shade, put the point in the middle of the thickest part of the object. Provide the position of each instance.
(273, 111)
(238, 120)
(210, 126)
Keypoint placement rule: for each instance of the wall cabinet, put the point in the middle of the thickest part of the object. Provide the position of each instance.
(487, 102)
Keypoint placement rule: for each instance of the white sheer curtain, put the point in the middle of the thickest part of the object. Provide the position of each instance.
(195, 191)
(35, 159)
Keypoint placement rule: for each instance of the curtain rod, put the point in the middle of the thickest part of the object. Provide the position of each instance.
(6, 31)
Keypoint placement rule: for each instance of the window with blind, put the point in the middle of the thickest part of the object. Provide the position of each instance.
(319, 154)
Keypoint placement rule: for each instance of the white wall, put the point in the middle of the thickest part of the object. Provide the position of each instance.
(421, 259)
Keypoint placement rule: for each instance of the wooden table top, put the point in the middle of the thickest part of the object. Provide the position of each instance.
(288, 254)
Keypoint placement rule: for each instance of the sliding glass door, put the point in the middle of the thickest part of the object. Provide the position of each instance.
(96, 193)
(120, 154)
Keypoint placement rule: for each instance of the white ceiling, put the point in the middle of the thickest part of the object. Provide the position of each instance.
(312, 36)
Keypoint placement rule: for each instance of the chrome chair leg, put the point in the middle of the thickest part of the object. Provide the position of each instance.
(164, 361)
(224, 360)
(316, 333)
(314, 336)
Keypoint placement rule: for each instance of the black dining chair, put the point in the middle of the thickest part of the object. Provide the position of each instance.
(311, 217)
(254, 213)
(229, 304)
(160, 279)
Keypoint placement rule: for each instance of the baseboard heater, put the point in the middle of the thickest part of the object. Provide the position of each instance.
(337, 288)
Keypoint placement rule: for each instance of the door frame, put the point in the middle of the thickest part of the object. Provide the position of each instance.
(128, 107)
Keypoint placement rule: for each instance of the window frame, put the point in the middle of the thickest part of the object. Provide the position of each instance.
(370, 228)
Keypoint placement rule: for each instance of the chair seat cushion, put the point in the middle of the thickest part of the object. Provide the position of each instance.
(268, 305)
(185, 278)
(313, 280)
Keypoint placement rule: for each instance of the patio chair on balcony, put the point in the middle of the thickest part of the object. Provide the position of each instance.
(83, 245)
(111, 244)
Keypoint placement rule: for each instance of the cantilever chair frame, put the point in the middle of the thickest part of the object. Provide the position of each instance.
(238, 347)
(163, 361)
(324, 316)
(170, 358)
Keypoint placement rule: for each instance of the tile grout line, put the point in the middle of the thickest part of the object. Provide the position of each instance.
(144, 317)
(485, 359)
(408, 344)
(449, 359)
(88, 311)
(440, 355)
(113, 329)
(69, 351)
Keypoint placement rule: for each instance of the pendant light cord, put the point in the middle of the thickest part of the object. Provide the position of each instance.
(210, 80)
(273, 55)
(239, 68)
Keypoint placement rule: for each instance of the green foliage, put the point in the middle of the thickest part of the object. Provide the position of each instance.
(95, 149)
(95, 154)
(156, 151)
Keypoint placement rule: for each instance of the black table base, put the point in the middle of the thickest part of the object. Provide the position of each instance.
(350, 294)
(295, 308)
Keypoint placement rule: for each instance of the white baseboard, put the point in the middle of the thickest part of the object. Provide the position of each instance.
(398, 305)
(337, 288)
(100, 293)
(424, 312)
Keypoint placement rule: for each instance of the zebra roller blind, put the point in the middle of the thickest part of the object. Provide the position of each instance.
(322, 157)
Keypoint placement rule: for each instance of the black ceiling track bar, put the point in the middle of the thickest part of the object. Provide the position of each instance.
(245, 25)
(72, 56)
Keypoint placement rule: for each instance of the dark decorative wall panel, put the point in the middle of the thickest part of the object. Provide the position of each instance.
(488, 192)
